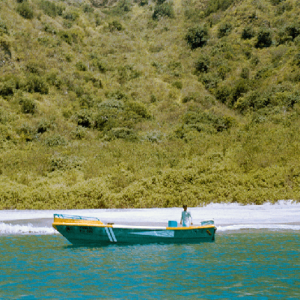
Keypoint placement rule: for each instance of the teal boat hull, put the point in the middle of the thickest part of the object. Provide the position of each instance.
(92, 233)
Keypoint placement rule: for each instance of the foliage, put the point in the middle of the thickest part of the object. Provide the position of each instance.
(120, 104)
(202, 64)
(55, 140)
(248, 33)
(28, 106)
(36, 84)
(51, 9)
(58, 162)
(197, 37)
(163, 10)
(115, 25)
(3, 28)
(43, 126)
(71, 15)
(25, 10)
(80, 66)
(84, 118)
(264, 38)
(215, 5)
(224, 30)
(79, 133)
(7, 88)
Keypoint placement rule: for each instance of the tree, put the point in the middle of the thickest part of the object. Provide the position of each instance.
(197, 37)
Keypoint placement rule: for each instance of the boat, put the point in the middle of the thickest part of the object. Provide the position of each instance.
(80, 230)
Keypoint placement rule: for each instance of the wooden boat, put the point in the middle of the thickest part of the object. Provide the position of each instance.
(91, 231)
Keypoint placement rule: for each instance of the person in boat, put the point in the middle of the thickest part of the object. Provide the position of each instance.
(186, 218)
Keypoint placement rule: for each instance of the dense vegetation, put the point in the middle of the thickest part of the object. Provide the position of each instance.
(148, 104)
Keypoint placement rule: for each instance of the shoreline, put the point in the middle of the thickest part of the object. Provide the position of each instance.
(227, 217)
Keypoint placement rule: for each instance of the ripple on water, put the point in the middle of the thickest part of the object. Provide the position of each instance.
(254, 265)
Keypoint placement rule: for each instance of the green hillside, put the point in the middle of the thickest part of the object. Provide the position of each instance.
(107, 103)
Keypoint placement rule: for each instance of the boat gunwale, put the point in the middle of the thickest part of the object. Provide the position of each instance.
(101, 225)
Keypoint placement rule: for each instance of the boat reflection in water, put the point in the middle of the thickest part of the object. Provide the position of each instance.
(91, 231)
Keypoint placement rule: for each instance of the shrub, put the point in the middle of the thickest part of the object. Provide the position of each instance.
(210, 80)
(200, 121)
(293, 30)
(241, 87)
(79, 133)
(123, 133)
(124, 6)
(28, 106)
(296, 59)
(115, 25)
(283, 7)
(215, 5)
(63, 163)
(254, 100)
(55, 140)
(98, 3)
(245, 73)
(143, 2)
(66, 36)
(264, 38)
(222, 71)
(36, 84)
(50, 8)
(6, 134)
(254, 60)
(97, 82)
(100, 65)
(202, 64)
(3, 28)
(276, 2)
(84, 118)
(139, 109)
(153, 98)
(71, 15)
(54, 79)
(25, 10)
(289, 33)
(223, 93)
(26, 132)
(49, 28)
(33, 67)
(88, 9)
(163, 10)
(153, 136)
(43, 126)
(197, 37)
(192, 96)
(177, 84)
(80, 66)
(109, 115)
(127, 73)
(248, 33)
(5, 116)
(224, 30)
(7, 88)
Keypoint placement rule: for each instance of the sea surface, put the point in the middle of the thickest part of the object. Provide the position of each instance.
(256, 255)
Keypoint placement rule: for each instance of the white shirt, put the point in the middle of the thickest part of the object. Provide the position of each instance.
(185, 218)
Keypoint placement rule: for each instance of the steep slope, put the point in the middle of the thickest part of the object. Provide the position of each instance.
(143, 104)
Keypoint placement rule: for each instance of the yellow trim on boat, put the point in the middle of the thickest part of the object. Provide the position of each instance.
(190, 227)
(60, 220)
(76, 222)
(96, 223)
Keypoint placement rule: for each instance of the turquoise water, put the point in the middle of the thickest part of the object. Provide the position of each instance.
(247, 264)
